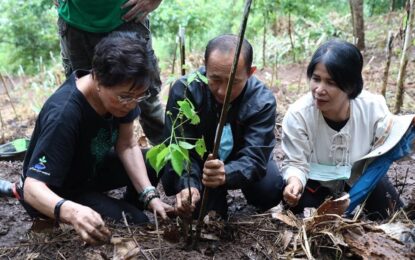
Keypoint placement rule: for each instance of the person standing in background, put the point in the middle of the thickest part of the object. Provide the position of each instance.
(82, 24)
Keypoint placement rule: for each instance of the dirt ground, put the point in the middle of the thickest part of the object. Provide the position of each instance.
(247, 234)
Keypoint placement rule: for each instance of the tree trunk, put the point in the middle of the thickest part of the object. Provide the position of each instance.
(404, 58)
(388, 62)
(356, 7)
(392, 6)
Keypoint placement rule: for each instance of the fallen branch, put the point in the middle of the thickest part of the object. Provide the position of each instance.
(158, 233)
(132, 235)
(306, 244)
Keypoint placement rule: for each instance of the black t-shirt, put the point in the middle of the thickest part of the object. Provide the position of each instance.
(70, 139)
(336, 126)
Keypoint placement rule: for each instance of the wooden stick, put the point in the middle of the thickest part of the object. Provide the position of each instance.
(388, 62)
(158, 233)
(182, 50)
(404, 57)
(174, 59)
(132, 235)
(306, 244)
(224, 113)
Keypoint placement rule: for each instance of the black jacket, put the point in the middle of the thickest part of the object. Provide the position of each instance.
(252, 118)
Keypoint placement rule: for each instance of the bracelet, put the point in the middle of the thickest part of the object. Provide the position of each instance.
(57, 210)
(143, 194)
(150, 198)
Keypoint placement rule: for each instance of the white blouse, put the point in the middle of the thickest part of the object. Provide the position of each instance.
(307, 140)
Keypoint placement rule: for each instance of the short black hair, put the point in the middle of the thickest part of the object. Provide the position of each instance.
(228, 42)
(343, 62)
(121, 58)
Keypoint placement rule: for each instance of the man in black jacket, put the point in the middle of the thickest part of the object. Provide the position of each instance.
(245, 160)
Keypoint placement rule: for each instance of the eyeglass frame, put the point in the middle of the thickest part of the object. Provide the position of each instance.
(128, 100)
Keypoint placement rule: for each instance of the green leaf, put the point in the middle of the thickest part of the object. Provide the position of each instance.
(186, 145)
(202, 77)
(195, 120)
(162, 158)
(151, 155)
(200, 147)
(185, 66)
(171, 79)
(177, 159)
(191, 78)
(183, 151)
(186, 108)
(185, 154)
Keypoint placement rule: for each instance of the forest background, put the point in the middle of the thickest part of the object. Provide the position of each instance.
(284, 34)
(281, 31)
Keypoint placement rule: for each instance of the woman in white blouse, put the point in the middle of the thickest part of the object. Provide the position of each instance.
(332, 135)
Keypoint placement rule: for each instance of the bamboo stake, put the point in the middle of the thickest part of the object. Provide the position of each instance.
(8, 95)
(176, 44)
(224, 112)
(182, 50)
(388, 62)
(404, 58)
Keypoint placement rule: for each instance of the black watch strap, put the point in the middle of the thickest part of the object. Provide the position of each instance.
(57, 210)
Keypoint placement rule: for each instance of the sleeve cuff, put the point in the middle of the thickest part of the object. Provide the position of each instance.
(232, 180)
(294, 172)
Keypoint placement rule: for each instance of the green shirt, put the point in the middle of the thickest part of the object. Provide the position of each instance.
(96, 16)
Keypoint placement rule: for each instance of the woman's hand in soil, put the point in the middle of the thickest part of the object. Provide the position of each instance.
(292, 191)
(160, 207)
(87, 222)
(183, 205)
(213, 173)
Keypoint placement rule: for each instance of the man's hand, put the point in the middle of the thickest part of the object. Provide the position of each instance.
(139, 9)
(184, 208)
(87, 222)
(160, 207)
(213, 173)
(292, 191)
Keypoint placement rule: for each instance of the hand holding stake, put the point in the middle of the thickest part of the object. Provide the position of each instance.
(224, 113)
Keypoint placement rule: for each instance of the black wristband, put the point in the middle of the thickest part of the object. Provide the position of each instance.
(57, 210)
(149, 199)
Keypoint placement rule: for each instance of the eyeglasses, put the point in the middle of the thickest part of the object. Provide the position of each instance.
(127, 99)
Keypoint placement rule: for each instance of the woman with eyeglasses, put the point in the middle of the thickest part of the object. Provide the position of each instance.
(339, 138)
(83, 145)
